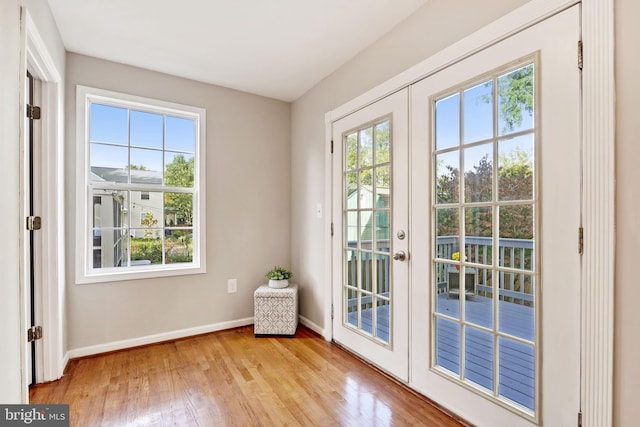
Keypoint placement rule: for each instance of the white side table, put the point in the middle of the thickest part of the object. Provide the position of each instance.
(275, 310)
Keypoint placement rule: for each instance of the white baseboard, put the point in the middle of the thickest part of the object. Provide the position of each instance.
(152, 339)
(309, 324)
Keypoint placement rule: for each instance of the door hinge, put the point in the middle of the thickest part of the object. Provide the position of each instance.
(34, 333)
(580, 419)
(332, 146)
(580, 240)
(33, 112)
(331, 311)
(331, 229)
(34, 223)
(580, 59)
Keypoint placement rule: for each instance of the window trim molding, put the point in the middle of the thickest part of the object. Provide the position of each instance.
(83, 272)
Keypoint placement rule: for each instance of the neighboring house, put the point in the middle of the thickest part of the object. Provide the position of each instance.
(124, 216)
(375, 219)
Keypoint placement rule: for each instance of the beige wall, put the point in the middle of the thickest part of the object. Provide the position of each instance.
(248, 211)
(627, 290)
(11, 226)
(424, 33)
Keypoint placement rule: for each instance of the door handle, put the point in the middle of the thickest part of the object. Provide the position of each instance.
(400, 256)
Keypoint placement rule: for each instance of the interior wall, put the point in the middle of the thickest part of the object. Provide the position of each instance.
(432, 28)
(248, 211)
(11, 227)
(627, 289)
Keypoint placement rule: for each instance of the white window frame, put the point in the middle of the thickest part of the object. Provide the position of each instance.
(85, 273)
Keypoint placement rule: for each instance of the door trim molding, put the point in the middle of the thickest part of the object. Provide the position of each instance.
(598, 105)
(38, 60)
(598, 210)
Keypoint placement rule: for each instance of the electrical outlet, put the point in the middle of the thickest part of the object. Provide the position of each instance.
(232, 286)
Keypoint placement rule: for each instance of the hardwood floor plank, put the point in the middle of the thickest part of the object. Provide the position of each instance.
(231, 378)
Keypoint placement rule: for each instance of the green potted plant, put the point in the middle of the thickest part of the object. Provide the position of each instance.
(278, 277)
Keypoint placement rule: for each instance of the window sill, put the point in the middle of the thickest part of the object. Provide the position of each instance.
(137, 273)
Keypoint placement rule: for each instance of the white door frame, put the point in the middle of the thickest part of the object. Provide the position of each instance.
(598, 208)
(36, 58)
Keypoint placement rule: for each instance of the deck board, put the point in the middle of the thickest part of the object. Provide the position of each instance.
(515, 360)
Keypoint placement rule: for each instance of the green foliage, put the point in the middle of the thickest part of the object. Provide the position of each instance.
(515, 182)
(138, 167)
(515, 95)
(373, 150)
(180, 173)
(278, 273)
(149, 222)
(146, 249)
(179, 247)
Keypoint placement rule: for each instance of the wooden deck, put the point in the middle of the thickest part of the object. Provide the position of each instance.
(516, 361)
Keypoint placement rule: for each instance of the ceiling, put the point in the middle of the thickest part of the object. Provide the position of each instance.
(275, 48)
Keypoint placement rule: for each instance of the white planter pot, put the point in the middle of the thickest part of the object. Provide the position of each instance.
(278, 284)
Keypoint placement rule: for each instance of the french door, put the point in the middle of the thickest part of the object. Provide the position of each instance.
(370, 245)
(494, 219)
(456, 210)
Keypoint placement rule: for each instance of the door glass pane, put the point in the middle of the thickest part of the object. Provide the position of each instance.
(478, 307)
(516, 381)
(382, 186)
(447, 118)
(478, 173)
(447, 345)
(382, 147)
(486, 295)
(351, 305)
(444, 304)
(351, 151)
(351, 262)
(367, 243)
(447, 167)
(478, 112)
(516, 100)
(478, 357)
(478, 224)
(383, 320)
(366, 147)
(515, 168)
(517, 311)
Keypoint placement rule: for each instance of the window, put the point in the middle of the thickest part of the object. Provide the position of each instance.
(140, 187)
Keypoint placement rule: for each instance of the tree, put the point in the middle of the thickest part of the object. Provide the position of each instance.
(137, 167)
(180, 173)
(149, 222)
(515, 182)
(515, 96)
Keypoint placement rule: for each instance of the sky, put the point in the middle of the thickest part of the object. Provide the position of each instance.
(115, 135)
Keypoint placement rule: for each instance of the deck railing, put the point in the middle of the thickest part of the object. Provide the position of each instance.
(517, 254)
(513, 254)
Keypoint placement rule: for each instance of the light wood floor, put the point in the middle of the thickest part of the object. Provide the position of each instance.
(230, 378)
